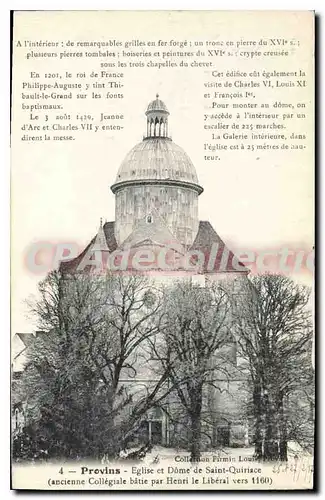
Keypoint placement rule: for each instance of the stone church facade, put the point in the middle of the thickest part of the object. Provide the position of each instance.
(157, 231)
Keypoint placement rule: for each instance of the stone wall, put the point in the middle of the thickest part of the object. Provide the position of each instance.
(178, 207)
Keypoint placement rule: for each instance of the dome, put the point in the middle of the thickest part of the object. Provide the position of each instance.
(157, 159)
(157, 105)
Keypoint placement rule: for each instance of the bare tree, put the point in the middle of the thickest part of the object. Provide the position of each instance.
(94, 329)
(274, 332)
(190, 346)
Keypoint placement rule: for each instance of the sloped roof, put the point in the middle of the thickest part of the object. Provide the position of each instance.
(217, 257)
(156, 232)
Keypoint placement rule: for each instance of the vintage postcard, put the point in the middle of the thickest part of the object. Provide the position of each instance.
(162, 250)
